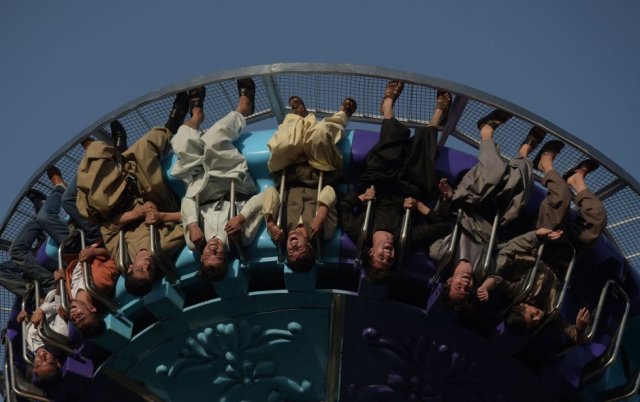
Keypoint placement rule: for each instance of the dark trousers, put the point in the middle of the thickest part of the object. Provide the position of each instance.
(586, 227)
(23, 265)
(398, 162)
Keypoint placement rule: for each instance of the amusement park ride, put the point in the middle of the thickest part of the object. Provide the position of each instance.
(267, 333)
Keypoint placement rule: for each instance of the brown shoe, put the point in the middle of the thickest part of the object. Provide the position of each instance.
(349, 106)
(55, 176)
(393, 90)
(246, 87)
(443, 102)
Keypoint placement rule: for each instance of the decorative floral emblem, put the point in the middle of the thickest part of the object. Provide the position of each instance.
(234, 347)
(423, 370)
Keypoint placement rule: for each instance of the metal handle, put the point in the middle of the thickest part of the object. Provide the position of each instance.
(319, 235)
(87, 277)
(121, 252)
(25, 353)
(29, 394)
(559, 301)
(47, 336)
(236, 243)
(492, 242)
(64, 297)
(404, 234)
(616, 340)
(609, 357)
(528, 282)
(357, 262)
(279, 246)
(169, 273)
(152, 239)
(567, 280)
(446, 259)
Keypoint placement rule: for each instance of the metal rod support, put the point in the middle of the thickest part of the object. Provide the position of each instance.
(364, 232)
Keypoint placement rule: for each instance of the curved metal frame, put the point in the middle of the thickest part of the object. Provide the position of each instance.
(267, 73)
(269, 76)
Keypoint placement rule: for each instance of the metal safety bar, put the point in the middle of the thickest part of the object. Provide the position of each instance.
(21, 388)
(560, 299)
(610, 283)
(64, 297)
(404, 234)
(49, 336)
(446, 259)
(486, 265)
(357, 262)
(169, 273)
(122, 264)
(617, 338)
(529, 281)
(280, 218)
(319, 235)
(25, 351)
(8, 395)
(235, 242)
(567, 279)
(89, 284)
(609, 357)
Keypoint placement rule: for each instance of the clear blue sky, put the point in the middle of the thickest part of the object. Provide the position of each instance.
(64, 64)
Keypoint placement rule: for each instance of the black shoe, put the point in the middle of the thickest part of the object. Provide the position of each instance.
(36, 197)
(178, 112)
(494, 119)
(196, 98)
(119, 136)
(553, 147)
(246, 87)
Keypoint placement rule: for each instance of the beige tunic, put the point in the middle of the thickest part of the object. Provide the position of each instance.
(300, 139)
(102, 191)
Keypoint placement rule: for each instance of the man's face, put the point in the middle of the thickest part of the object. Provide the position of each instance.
(213, 253)
(532, 315)
(82, 314)
(461, 282)
(297, 243)
(44, 363)
(382, 253)
(142, 266)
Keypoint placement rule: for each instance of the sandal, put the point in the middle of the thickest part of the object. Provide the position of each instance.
(494, 119)
(587, 166)
(443, 102)
(297, 106)
(349, 106)
(393, 90)
(196, 98)
(553, 146)
(534, 138)
(246, 87)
